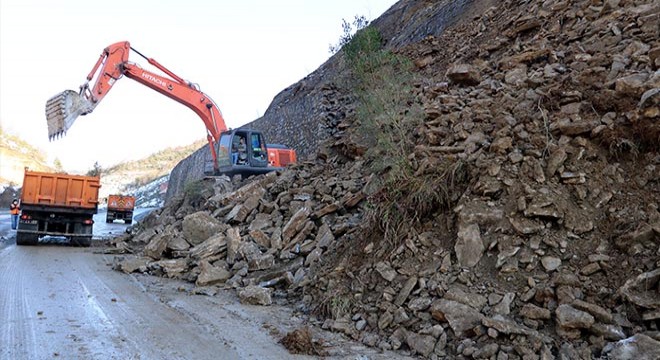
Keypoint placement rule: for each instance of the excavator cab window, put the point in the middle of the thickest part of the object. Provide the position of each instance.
(241, 151)
(223, 150)
(258, 147)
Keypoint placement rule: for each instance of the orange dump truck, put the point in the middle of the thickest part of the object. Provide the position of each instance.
(58, 205)
(120, 207)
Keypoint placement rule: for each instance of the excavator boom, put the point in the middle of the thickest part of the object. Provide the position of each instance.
(64, 108)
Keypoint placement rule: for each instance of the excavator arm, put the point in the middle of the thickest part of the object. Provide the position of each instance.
(64, 108)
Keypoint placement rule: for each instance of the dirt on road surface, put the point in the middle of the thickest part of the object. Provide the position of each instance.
(67, 303)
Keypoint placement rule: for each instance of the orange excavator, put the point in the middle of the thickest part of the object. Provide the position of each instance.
(240, 151)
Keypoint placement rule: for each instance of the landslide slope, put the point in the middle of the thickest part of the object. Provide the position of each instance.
(490, 191)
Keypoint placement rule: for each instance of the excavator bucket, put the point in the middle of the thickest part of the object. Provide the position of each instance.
(62, 110)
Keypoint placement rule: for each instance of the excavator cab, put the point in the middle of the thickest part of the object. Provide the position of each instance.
(242, 152)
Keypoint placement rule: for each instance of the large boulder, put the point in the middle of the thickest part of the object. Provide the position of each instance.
(199, 226)
(212, 246)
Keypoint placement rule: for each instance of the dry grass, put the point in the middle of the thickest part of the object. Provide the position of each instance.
(335, 306)
(629, 139)
(300, 341)
(405, 200)
(387, 114)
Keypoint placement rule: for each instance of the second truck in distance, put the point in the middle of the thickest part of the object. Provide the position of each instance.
(120, 207)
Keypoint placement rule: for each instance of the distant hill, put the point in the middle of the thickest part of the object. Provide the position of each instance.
(127, 177)
(15, 155)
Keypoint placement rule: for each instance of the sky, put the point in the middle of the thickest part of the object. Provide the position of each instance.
(241, 53)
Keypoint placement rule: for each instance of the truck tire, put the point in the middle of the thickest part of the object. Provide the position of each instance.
(27, 239)
(84, 241)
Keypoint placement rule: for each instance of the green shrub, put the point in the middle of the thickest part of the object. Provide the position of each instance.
(386, 115)
(194, 193)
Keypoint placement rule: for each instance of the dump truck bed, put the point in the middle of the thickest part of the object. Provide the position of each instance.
(60, 190)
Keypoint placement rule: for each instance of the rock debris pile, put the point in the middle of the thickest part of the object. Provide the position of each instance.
(551, 252)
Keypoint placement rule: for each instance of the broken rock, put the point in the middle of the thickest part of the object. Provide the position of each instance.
(464, 74)
(157, 245)
(637, 347)
(255, 295)
(210, 247)
(571, 318)
(643, 289)
(386, 271)
(469, 246)
(506, 326)
(131, 265)
(422, 344)
(460, 317)
(211, 275)
(534, 312)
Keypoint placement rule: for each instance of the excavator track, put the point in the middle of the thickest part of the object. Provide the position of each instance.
(62, 110)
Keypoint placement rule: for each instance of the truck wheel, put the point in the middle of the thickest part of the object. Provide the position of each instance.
(84, 241)
(27, 239)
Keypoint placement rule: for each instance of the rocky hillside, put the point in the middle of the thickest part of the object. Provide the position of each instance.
(15, 155)
(490, 190)
(134, 176)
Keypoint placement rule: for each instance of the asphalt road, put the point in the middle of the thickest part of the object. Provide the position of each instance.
(5, 225)
(63, 302)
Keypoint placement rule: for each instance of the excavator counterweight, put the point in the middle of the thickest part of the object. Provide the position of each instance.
(62, 110)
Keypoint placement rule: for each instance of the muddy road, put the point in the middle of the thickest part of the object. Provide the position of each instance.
(66, 302)
(63, 302)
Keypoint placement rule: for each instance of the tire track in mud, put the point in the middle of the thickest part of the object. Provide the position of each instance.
(58, 301)
(18, 333)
